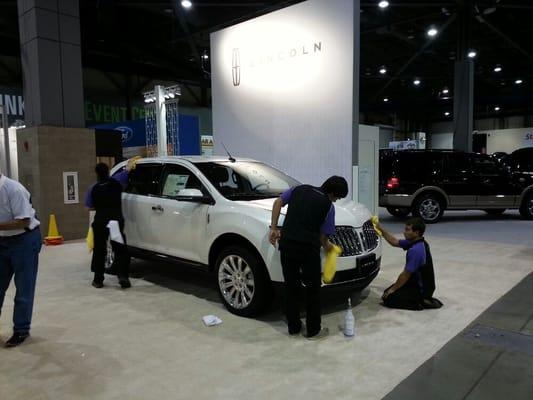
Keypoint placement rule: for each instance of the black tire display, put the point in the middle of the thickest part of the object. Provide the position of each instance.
(429, 207)
(243, 283)
(495, 211)
(399, 212)
(526, 208)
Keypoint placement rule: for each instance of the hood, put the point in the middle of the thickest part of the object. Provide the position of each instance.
(347, 212)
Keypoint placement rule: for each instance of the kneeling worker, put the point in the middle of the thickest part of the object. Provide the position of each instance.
(413, 290)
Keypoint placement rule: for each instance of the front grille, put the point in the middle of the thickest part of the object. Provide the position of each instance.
(355, 241)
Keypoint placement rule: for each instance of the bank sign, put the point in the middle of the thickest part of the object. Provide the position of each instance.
(95, 113)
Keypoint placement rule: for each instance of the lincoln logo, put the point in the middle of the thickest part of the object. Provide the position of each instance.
(236, 67)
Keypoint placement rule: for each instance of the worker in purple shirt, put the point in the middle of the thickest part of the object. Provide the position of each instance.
(105, 197)
(309, 220)
(414, 288)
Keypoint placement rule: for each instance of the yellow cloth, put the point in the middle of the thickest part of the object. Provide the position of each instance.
(330, 265)
(375, 222)
(90, 239)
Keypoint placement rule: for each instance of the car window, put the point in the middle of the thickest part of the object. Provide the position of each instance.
(522, 162)
(457, 164)
(177, 178)
(144, 180)
(418, 164)
(485, 166)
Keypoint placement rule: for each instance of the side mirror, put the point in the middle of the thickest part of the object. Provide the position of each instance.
(194, 196)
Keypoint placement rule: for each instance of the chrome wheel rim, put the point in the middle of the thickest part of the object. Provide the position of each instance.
(429, 209)
(236, 281)
(530, 207)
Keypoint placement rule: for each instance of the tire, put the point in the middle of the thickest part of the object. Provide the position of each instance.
(526, 208)
(429, 207)
(399, 212)
(495, 211)
(242, 280)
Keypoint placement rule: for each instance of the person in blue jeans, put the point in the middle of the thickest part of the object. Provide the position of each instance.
(20, 244)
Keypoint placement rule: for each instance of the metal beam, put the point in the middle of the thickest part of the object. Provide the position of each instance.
(414, 57)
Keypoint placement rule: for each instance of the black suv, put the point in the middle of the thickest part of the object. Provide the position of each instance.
(426, 182)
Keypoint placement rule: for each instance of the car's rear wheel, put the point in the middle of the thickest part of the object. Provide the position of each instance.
(526, 208)
(243, 283)
(495, 211)
(429, 207)
(399, 212)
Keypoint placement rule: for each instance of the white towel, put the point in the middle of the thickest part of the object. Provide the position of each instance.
(114, 232)
(211, 320)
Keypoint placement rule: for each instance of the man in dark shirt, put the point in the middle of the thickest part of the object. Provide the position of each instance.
(105, 197)
(310, 218)
(414, 288)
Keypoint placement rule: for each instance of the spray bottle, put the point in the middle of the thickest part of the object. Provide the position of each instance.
(349, 321)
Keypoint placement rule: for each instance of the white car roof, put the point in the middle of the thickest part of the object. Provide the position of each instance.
(192, 159)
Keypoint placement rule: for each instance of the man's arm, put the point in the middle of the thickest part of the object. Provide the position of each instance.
(324, 241)
(15, 224)
(275, 234)
(402, 280)
(393, 241)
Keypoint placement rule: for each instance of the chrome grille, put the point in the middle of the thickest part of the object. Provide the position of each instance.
(355, 241)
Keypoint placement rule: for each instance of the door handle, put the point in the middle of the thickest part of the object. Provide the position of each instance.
(158, 208)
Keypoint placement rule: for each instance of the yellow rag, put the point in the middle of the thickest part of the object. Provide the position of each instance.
(330, 265)
(375, 222)
(90, 239)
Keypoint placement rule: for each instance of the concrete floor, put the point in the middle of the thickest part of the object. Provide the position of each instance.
(149, 342)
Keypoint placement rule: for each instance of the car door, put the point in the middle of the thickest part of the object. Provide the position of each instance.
(457, 180)
(495, 189)
(138, 201)
(181, 224)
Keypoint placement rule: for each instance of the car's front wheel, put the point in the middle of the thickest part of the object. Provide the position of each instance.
(526, 208)
(243, 283)
(429, 207)
(399, 212)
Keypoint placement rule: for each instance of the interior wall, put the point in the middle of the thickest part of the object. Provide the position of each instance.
(283, 89)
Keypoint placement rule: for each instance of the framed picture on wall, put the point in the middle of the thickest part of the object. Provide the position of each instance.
(70, 188)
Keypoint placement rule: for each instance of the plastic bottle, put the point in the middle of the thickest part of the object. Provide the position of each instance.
(349, 321)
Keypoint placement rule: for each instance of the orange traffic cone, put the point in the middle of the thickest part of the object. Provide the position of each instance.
(53, 238)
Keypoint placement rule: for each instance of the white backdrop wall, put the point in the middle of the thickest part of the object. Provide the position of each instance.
(282, 87)
(506, 140)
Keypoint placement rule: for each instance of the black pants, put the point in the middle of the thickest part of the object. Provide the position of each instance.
(122, 258)
(301, 263)
(408, 297)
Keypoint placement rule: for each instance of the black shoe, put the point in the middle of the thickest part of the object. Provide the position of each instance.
(17, 338)
(124, 283)
(98, 284)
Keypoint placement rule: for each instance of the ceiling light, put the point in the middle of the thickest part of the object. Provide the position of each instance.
(447, 113)
(186, 4)
(472, 54)
(496, 108)
(205, 57)
(432, 32)
(416, 82)
(383, 70)
(518, 81)
(383, 4)
(386, 99)
(498, 68)
(445, 91)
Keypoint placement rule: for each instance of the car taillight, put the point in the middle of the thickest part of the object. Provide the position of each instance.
(393, 183)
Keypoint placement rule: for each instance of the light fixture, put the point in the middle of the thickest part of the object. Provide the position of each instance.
(496, 108)
(205, 56)
(445, 91)
(385, 100)
(383, 4)
(432, 32)
(416, 82)
(472, 54)
(382, 70)
(518, 81)
(447, 113)
(498, 68)
(186, 4)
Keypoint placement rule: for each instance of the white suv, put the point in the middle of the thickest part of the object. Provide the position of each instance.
(214, 212)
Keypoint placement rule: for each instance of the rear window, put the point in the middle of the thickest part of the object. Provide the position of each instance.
(414, 165)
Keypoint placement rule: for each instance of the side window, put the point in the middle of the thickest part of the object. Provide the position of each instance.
(144, 180)
(177, 178)
(485, 166)
(457, 164)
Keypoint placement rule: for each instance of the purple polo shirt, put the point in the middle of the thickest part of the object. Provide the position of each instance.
(328, 227)
(122, 178)
(415, 257)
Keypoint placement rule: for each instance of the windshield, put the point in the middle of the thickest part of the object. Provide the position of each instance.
(246, 180)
